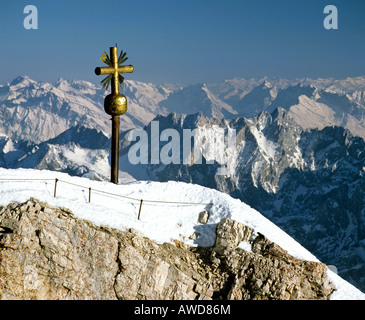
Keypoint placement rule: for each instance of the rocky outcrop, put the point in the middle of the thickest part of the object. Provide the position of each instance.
(268, 271)
(47, 253)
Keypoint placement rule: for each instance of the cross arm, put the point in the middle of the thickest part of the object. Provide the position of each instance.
(111, 70)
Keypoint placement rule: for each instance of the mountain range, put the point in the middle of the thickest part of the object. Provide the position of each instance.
(38, 111)
(299, 155)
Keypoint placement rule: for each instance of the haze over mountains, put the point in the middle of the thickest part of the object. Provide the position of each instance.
(299, 158)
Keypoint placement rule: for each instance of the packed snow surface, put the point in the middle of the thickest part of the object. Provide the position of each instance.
(159, 221)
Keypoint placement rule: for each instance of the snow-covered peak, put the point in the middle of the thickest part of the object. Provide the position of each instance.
(79, 87)
(198, 98)
(22, 82)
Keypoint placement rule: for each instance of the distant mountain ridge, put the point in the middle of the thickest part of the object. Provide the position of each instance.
(39, 111)
(79, 151)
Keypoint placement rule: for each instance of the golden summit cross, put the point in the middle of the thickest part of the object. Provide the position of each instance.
(115, 103)
(114, 70)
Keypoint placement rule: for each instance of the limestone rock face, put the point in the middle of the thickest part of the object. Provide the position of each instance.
(268, 272)
(47, 253)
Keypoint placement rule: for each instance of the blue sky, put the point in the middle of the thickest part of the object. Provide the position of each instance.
(183, 41)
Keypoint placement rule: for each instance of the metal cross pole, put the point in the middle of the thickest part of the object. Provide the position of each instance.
(115, 104)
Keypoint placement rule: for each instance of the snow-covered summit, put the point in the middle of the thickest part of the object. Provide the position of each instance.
(161, 222)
